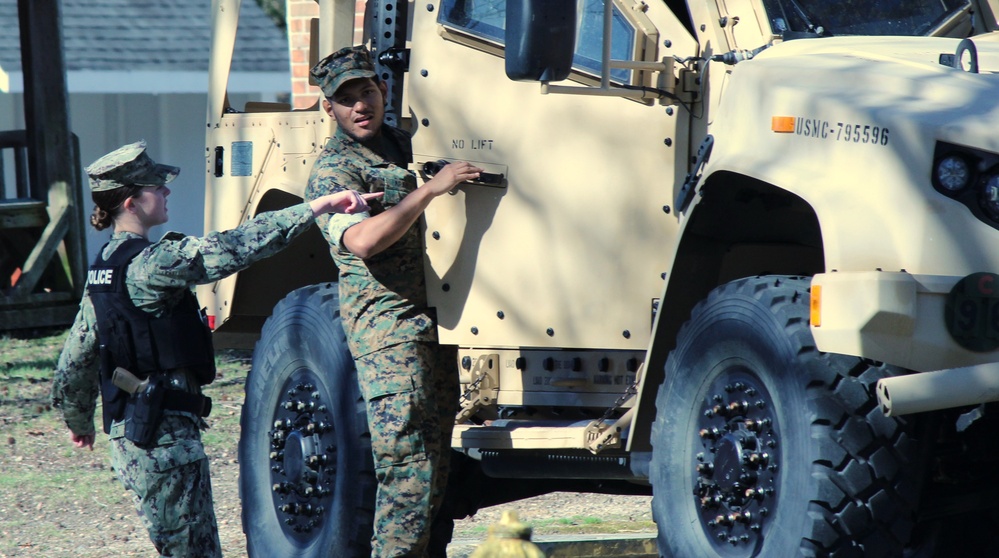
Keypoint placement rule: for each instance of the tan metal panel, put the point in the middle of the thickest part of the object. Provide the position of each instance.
(516, 266)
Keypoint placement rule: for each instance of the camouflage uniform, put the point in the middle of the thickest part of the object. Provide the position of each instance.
(407, 379)
(170, 480)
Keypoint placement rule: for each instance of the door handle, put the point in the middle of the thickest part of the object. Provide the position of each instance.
(491, 179)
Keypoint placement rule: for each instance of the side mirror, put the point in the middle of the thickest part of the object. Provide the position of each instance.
(540, 39)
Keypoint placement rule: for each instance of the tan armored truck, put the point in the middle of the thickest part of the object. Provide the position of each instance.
(712, 227)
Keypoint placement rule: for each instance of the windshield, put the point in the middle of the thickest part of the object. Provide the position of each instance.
(859, 17)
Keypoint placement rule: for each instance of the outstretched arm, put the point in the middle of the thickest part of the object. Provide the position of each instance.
(180, 261)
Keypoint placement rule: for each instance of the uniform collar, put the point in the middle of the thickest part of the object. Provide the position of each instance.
(125, 235)
(388, 133)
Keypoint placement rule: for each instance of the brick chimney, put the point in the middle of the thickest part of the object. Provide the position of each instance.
(299, 14)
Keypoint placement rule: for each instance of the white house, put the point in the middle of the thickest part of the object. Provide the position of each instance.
(139, 70)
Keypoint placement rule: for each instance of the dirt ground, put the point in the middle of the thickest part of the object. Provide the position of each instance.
(30, 525)
(58, 501)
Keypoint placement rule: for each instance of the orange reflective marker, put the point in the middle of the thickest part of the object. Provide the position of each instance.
(782, 124)
(815, 306)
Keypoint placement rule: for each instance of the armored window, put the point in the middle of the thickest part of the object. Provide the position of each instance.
(861, 17)
(486, 20)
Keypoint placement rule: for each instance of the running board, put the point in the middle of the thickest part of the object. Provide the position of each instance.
(592, 435)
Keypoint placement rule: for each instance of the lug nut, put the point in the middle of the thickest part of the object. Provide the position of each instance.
(737, 406)
(709, 433)
(756, 493)
(759, 459)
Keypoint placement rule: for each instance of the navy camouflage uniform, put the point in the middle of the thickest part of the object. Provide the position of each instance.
(169, 480)
(406, 377)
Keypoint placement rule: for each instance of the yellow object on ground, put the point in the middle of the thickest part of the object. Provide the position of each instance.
(508, 539)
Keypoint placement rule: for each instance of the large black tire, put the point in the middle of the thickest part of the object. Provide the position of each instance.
(306, 477)
(764, 446)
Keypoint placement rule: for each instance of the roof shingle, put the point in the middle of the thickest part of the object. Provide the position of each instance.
(160, 35)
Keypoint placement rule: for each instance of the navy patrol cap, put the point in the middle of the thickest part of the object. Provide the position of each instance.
(342, 66)
(129, 165)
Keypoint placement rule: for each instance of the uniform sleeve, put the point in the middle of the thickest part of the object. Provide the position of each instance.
(76, 385)
(179, 261)
(331, 174)
(337, 224)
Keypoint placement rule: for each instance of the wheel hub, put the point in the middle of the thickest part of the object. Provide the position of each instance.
(735, 464)
(729, 464)
(298, 450)
(302, 457)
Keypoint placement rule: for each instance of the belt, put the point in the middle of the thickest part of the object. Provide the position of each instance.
(198, 405)
(182, 379)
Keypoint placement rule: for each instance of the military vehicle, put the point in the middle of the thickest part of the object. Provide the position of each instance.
(712, 228)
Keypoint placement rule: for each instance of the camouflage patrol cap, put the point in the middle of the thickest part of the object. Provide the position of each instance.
(342, 66)
(129, 165)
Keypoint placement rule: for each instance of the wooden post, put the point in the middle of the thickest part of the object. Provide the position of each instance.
(52, 149)
(52, 206)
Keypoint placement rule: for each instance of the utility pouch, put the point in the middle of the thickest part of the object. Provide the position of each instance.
(143, 413)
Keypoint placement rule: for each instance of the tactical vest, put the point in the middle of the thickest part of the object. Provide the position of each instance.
(138, 341)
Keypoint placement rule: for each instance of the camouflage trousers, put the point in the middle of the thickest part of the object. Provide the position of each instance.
(171, 487)
(411, 390)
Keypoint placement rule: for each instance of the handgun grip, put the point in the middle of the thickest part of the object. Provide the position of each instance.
(127, 382)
